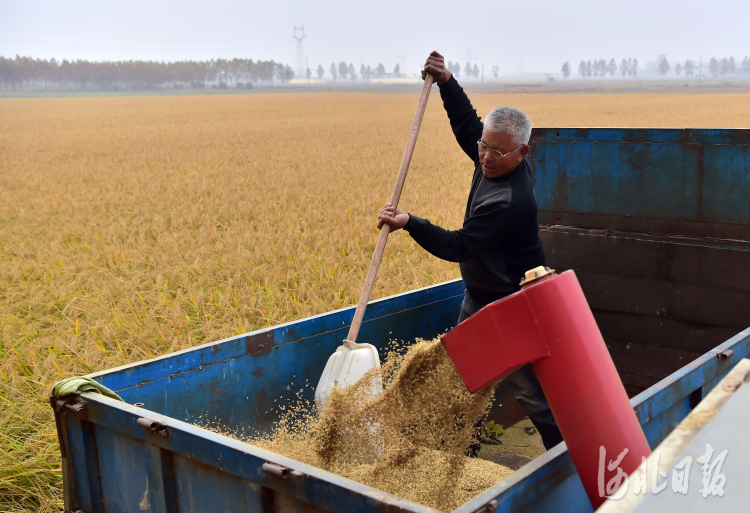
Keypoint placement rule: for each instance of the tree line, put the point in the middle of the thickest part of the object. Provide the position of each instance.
(716, 67)
(600, 68)
(629, 67)
(344, 71)
(29, 73)
(727, 66)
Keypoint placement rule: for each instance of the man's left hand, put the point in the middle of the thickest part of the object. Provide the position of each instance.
(394, 218)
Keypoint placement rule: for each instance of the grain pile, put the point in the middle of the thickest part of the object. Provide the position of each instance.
(409, 440)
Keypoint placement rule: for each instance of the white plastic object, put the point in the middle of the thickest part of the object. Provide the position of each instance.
(345, 367)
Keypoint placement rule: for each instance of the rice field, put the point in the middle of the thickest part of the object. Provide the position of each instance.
(132, 227)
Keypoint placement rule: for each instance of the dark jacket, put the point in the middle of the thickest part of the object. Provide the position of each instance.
(499, 240)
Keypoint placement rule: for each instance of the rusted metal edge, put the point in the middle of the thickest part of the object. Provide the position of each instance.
(690, 240)
(658, 226)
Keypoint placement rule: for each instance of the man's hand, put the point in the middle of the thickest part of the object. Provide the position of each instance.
(435, 66)
(394, 218)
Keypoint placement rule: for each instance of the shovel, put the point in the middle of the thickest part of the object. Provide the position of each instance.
(351, 360)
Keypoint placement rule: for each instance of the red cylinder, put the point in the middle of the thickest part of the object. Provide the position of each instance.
(549, 324)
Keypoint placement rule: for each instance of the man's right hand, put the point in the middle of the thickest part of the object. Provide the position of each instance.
(435, 66)
(394, 218)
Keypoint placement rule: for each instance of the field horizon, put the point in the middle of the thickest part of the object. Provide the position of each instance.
(572, 86)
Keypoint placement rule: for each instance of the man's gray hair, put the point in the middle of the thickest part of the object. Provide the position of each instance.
(511, 120)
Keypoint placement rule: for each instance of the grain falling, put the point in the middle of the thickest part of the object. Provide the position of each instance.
(409, 440)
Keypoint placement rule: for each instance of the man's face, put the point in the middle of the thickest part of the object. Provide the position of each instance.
(492, 166)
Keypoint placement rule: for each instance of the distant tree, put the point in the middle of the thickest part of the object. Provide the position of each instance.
(589, 68)
(363, 72)
(746, 65)
(713, 66)
(678, 69)
(343, 70)
(689, 68)
(289, 73)
(352, 74)
(496, 69)
(724, 66)
(265, 71)
(380, 70)
(475, 71)
(333, 71)
(321, 71)
(396, 69)
(612, 67)
(663, 67)
(467, 70)
(730, 67)
(582, 69)
(456, 69)
(634, 67)
(565, 69)
(369, 73)
(623, 68)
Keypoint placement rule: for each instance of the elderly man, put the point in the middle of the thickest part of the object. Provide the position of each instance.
(499, 239)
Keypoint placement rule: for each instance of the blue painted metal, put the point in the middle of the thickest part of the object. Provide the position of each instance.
(649, 180)
(117, 465)
(698, 175)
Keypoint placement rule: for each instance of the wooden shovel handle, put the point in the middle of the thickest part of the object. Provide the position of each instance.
(386, 229)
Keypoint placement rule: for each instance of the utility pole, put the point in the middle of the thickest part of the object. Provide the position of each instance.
(307, 70)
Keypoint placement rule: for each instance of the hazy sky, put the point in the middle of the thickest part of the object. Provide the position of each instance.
(532, 36)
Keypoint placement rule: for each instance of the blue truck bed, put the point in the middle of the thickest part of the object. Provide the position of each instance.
(653, 222)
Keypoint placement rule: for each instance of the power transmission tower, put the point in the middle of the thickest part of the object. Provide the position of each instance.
(300, 71)
(468, 55)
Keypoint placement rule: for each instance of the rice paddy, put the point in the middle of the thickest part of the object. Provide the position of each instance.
(133, 227)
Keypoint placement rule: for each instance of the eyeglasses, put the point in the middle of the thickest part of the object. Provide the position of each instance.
(483, 148)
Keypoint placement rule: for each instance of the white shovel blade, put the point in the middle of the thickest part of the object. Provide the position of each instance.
(345, 367)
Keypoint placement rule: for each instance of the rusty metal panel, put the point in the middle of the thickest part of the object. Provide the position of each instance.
(671, 181)
(614, 178)
(726, 184)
